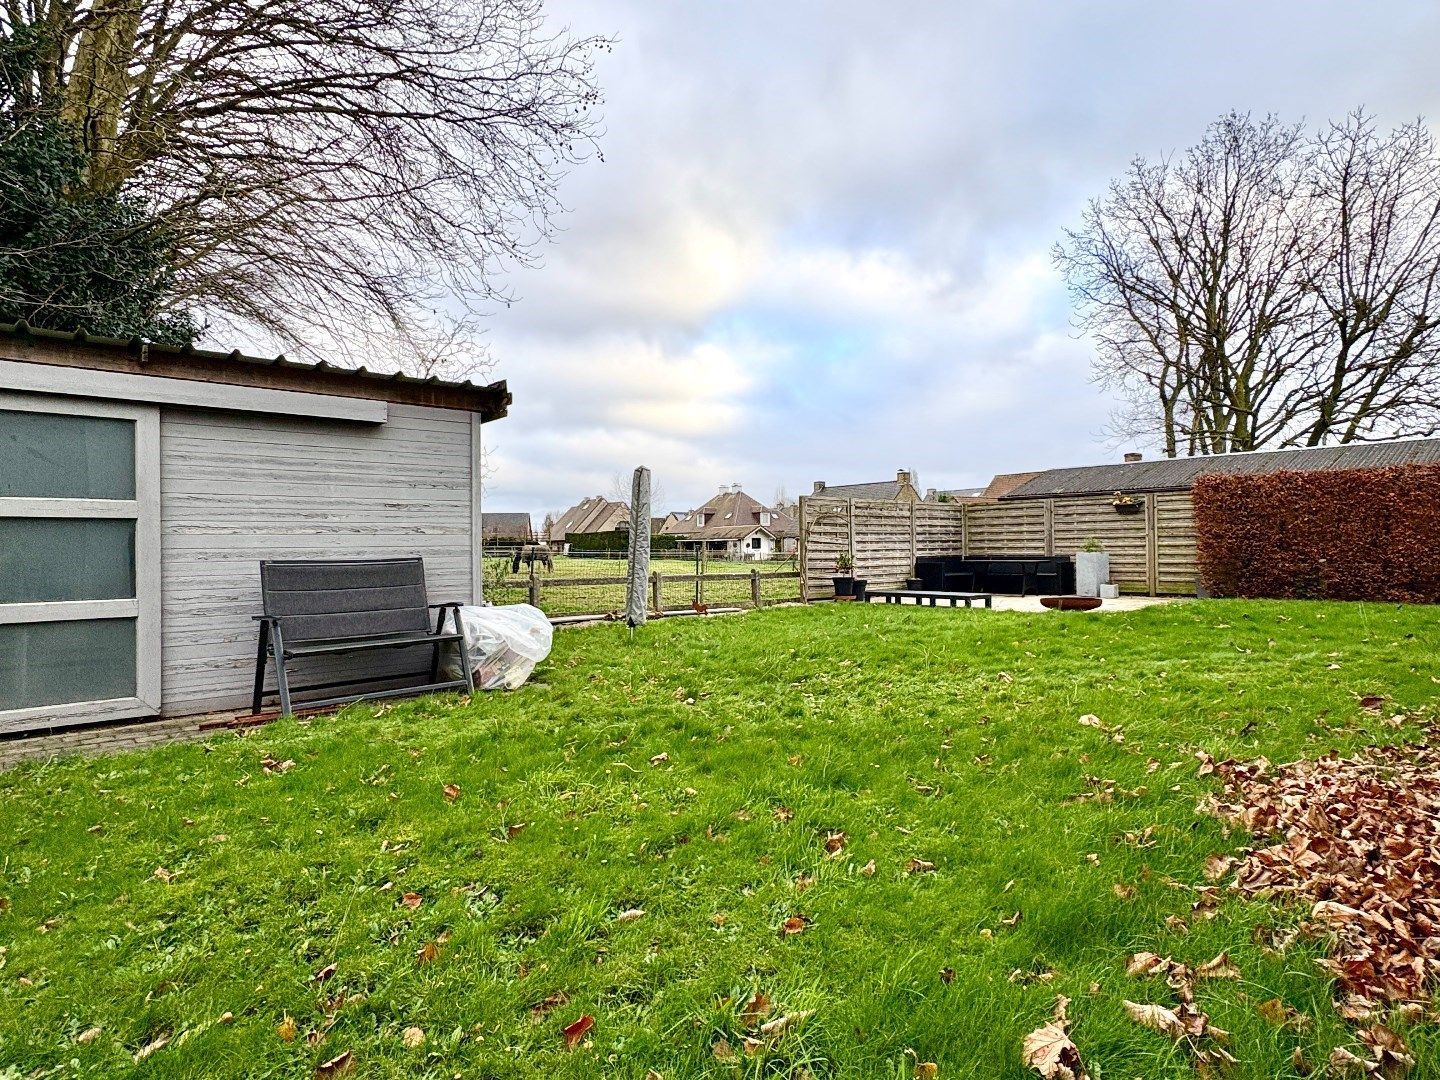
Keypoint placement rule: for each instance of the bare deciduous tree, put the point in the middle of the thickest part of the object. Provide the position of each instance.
(1376, 280)
(1266, 288)
(330, 162)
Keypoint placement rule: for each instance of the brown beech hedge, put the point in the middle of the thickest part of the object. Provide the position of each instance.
(1360, 534)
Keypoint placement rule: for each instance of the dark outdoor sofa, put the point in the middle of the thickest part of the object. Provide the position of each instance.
(1051, 575)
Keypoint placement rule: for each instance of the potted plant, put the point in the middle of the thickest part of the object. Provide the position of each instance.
(1126, 504)
(1092, 568)
(844, 578)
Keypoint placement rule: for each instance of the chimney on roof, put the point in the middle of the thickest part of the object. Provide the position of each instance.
(819, 487)
(902, 476)
(1134, 456)
(735, 488)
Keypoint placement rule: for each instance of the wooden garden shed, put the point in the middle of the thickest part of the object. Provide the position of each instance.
(140, 486)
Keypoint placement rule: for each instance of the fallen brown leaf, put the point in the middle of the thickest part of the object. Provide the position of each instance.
(412, 900)
(918, 866)
(89, 1035)
(413, 1038)
(1049, 1051)
(835, 843)
(795, 924)
(150, 1047)
(452, 792)
(1217, 866)
(782, 1024)
(1218, 968)
(755, 1009)
(578, 1030)
(868, 869)
(553, 1001)
(630, 915)
(339, 1065)
(324, 973)
(427, 953)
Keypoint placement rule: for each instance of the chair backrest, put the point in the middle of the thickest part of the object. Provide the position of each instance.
(344, 598)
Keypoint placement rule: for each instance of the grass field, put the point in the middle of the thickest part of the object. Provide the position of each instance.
(244, 922)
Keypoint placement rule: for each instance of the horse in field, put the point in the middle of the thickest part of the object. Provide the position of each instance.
(530, 554)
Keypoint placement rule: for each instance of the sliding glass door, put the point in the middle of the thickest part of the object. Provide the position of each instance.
(79, 561)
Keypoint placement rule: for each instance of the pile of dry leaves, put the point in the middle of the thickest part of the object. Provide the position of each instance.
(1359, 843)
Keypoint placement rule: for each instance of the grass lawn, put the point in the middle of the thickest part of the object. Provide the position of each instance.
(348, 898)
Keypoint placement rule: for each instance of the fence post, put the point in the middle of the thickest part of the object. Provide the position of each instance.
(1152, 547)
(655, 593)
(914, 552)
(850, 528)
(638, 566)
(802, 512)
(1049, 526)
(534, 587)
(755, 587)
(702, 557)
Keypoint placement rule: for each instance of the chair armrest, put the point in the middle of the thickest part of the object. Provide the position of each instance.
(452, 603)
(264, 618)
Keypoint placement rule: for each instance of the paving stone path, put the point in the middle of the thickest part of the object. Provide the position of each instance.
(109, 739)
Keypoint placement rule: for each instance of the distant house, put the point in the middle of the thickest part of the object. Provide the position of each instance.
(955, 494)
(1000, 486)
(901, 489)
(733, 525)
(506, 528)
(596, 514)
(1135, 476)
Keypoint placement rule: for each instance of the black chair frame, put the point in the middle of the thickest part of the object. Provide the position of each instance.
(332, 607)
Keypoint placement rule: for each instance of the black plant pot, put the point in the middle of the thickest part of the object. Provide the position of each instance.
(844, 586)
(1128, 508)
(859, 593)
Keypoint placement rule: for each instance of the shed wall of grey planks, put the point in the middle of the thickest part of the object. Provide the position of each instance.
(1150, 552)
(237, 488)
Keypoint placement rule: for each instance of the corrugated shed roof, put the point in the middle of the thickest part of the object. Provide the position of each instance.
(1178, 474)
(168, 361)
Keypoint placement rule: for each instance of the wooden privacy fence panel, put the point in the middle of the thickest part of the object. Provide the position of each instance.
(1124, 537)
(1175, 522)
(882, 537)
(1152, 551)
(1004, 528)
(883, 542)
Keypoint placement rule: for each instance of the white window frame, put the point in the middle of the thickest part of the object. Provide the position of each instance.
(144, 510)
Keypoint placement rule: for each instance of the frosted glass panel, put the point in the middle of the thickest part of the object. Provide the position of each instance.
(43, 559)
(54, 456)
(63, 662)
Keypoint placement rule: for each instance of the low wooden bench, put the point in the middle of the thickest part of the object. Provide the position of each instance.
(329, 607)
(920, 596)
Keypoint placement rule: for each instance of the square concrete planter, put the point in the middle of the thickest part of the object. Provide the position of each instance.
(1109, 591)
(1092, 569)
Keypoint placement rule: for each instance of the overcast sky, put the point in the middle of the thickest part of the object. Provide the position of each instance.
(818, 245)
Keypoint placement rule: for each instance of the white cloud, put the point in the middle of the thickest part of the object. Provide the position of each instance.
(819, 244)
